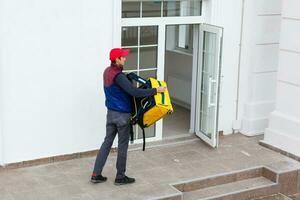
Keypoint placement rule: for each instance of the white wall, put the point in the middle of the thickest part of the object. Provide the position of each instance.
(259, 61)
(52, 58)
(1, 84)
(283, 130)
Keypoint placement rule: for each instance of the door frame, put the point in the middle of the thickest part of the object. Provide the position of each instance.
(161, 22)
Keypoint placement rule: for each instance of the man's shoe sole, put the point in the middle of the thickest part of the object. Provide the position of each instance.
(96, 181)
(123, 183)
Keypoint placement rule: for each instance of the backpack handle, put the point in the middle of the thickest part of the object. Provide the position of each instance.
(133, 76)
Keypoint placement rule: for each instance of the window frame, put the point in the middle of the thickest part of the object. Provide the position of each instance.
(182, 12)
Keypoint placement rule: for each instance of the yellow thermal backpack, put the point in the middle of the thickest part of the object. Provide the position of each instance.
(148, 110)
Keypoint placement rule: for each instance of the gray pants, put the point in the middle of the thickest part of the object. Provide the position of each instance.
(116, 122)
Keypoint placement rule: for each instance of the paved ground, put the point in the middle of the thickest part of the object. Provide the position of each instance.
(153, 169)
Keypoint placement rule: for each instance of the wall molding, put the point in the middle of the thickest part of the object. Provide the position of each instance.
(256, 117)
(283, 132)
(265, 72)
(289, 50)
(282, 141)
(290, 18)
(284, 124)
(253, 127)
(52, 159)
(268, 43)
(267, 15)
(289, 83)
(273, 148)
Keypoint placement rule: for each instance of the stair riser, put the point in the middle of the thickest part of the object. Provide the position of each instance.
(249, 194)
(226, 178)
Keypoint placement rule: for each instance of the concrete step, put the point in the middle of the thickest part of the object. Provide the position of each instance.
(275, 181)
(242, 185)
(233, 190)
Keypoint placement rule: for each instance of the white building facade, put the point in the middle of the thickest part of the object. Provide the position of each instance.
(53, 53)
(284, 125)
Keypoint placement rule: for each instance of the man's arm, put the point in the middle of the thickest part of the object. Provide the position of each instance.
(122, 81)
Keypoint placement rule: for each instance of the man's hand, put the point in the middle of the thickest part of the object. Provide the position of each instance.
(161, 89)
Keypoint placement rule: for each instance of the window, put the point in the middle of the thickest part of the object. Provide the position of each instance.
(180, 38)
(184, 38)
(160, 8)
(142, 60)
(142, 42)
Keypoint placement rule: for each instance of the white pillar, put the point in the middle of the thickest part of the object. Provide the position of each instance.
(284, 127)
(1, 89)
(259, 63)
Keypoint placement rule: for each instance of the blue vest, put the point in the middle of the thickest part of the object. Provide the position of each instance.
(115, 97)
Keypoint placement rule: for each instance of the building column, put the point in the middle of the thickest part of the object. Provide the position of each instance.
(258, 65)
(1, 89)
(283, 131)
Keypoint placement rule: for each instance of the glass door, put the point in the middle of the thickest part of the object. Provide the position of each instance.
(208, 83)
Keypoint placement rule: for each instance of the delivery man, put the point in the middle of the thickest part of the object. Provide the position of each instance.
(118, 91)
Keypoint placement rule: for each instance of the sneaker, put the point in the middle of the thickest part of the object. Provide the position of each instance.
(123, 181)
(98, 179)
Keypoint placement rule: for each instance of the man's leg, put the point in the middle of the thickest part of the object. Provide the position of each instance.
(123, 140)
(123, 126)
(111, 131)
(123, 136)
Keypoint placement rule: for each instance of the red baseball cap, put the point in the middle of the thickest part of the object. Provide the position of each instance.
(118, 52)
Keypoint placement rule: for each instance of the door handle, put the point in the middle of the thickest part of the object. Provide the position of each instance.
(211, 81)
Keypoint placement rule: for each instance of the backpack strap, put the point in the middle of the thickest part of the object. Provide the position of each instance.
(142, 126)
(133, 76)
(144, 139)
(131, 133)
